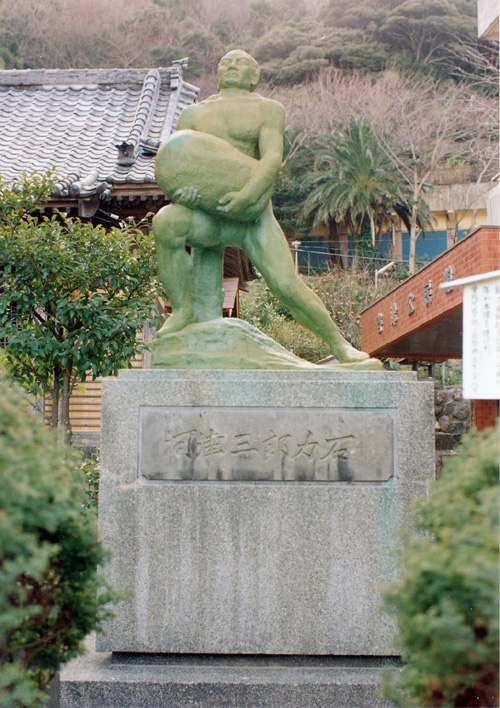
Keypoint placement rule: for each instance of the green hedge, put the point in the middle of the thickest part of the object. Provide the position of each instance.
(51, 595)
(446, 604)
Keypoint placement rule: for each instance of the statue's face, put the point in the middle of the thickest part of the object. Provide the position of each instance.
(237, 69)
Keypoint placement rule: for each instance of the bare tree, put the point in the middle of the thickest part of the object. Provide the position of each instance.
(107, 33)
(422, 125)
(424, 133)
(481, 121)
(475, 63)
(334, 97)
(58, 34)
(227, 15)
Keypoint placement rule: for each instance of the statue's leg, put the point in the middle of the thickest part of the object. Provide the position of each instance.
(207, 294)
(268, 249)
(171, 227)
(174, 226)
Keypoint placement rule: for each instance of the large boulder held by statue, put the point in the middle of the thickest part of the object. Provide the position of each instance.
(211, 166)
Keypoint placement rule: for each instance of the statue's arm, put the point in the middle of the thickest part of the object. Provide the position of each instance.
(270, 150)
(268, 166)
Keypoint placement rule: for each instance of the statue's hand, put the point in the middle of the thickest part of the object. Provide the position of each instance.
(187, 196)
(233, 204)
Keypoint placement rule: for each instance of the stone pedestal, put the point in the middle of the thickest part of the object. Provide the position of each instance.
(105, 680)
(252, 512)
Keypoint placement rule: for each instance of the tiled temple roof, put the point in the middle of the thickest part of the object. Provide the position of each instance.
(97, 128)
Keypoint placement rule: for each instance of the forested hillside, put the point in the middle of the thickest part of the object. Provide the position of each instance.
(292, 40)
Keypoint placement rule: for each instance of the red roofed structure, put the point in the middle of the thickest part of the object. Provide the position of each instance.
(421, 322)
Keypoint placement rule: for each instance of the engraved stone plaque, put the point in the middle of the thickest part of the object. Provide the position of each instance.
(265, 444)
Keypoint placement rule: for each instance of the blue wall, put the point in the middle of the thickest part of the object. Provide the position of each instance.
(312, 250)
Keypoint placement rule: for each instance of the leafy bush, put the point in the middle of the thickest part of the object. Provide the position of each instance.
(51, 596)
(73, 296)
(446, 603)
(90, 469)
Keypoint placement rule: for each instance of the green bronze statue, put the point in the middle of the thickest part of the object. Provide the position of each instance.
(218, 170)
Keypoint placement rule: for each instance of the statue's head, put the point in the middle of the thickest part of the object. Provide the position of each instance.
(237, 69)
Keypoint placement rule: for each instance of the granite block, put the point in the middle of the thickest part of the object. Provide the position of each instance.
(135, 681)
(240, 557)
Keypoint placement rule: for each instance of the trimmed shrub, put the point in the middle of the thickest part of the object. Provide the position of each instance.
(51, 595)
(446, 603)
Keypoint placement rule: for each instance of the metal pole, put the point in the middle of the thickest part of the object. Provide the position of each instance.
(296, 245)
(382, 270)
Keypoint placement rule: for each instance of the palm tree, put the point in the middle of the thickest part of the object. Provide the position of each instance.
(354, 180)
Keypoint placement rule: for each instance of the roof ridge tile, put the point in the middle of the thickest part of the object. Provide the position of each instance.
(72, 119)
(82, 77)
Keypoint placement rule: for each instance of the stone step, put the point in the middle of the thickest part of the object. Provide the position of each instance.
(119, 680)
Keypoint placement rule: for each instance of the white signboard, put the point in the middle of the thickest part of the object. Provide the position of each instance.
(481, 337)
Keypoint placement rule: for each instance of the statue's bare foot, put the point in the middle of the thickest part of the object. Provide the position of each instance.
(179, 319)
(352, 358)
(347, 354)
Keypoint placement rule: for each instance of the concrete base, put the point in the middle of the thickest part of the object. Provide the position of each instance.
(190, 681)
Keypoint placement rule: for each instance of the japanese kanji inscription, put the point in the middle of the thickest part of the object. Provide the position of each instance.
(269, 444)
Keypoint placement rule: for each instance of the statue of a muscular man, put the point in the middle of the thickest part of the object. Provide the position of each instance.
(218, 172)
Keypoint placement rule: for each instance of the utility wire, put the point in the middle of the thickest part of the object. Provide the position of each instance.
(335, 252)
